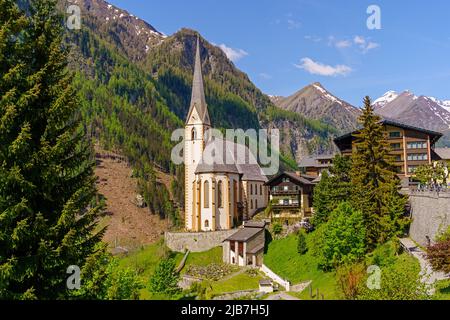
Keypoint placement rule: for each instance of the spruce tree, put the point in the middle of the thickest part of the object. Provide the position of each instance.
(374, 180)
(334, 188)
(47, 185)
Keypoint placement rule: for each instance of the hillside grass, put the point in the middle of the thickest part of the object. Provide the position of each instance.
(283, 259)
(145, 260)
(242, 281)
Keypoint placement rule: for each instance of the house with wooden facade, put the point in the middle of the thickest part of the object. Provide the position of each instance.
(410, 146)
(290, 195)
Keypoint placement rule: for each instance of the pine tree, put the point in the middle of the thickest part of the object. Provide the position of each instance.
(333, 188)
(374, 180)
(47, 185)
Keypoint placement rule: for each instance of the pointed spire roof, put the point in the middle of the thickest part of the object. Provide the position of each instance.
(198, 101)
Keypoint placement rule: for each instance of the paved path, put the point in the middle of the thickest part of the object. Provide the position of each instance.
(428, 275)
(281, 296)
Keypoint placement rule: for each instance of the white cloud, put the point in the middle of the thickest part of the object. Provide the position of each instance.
(293, 24)
(233, 54)
(359, 40)
(313, 38)
(265, 76)
(364, 44)
(343, 44)
(318, 68)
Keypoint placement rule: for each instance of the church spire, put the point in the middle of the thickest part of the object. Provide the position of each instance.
(198, 101)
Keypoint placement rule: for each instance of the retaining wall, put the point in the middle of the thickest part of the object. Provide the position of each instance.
(196, 241)
(430, 213)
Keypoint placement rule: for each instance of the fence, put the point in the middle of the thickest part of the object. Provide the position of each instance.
(275, 277)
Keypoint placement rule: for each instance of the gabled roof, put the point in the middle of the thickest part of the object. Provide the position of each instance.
(292, 176)
(230, 157)
(434, 134)
(443, 153)
(198, 101)
(244, 234)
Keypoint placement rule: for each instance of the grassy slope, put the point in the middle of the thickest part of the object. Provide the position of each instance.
(283, 259)
(241, 281)
(145, 261)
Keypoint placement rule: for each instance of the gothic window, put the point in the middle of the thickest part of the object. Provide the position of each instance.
(193, 134)
(220, 194)
(206, 194)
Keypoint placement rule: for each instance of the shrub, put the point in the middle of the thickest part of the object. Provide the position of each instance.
(400, 281)
(277, 228)
(349, 279)
(165, 279)
(301, 242)
(343, 237)
(439, 256)
(384, 254)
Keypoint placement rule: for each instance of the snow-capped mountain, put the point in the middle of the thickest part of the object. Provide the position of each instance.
(421, 111)
(132, 35)
(314, 101)
(385, 99)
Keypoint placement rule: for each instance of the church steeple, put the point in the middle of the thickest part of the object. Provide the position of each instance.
(198, 101)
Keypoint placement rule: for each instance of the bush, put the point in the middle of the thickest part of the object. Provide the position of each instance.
(384, 255)
(343, 238)
(165, 279)
(301, 242)
(400, 281)
(349, 278)
(277, 228)
(439, 256)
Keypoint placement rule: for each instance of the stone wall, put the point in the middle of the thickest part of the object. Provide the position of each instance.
(196, 241)
(430, 213)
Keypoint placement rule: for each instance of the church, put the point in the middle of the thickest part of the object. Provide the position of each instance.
(222, 194)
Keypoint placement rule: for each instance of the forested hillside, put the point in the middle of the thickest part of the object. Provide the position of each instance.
(134, 86)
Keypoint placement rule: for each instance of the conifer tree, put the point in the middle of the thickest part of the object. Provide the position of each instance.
(374, 180)
(47, 185)
(334, 187)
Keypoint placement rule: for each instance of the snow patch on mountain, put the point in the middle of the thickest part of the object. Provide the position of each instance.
(385, 99)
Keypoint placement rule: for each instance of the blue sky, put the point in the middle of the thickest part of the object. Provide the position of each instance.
(286, 45)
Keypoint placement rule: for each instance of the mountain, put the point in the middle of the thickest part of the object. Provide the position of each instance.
(421, 111)
(315, 102)
(385, 99)
(135, 85)
(130, 35)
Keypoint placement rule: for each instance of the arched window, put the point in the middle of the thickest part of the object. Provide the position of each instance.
(256, 203)
(251, 188)
(220, 194)
(206, 223)
(206, 194)
(251, 204)
(193, 134)
(260, 189)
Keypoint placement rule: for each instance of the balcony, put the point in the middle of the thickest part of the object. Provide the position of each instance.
(284, 192)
